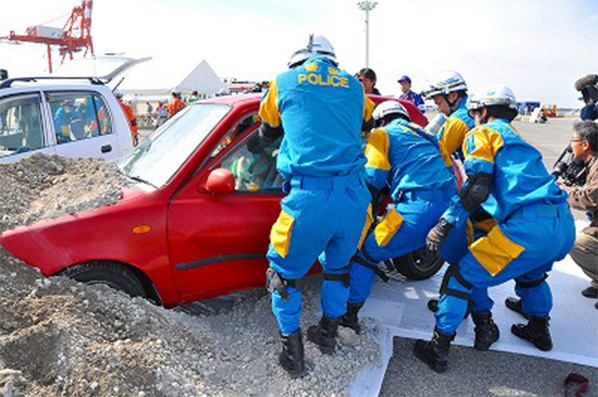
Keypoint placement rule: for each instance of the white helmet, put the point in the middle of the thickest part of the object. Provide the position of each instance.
(318, 45)
(390, 107)
(118, 94)
(445, 82)
(493, 95)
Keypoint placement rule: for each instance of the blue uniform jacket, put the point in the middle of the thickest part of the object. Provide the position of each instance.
(519, 178)
(405, 156)
(321, 110)
(415, 99)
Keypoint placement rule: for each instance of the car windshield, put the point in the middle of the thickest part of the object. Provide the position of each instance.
(160, 156)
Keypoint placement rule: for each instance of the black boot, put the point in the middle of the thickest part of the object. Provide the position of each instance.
(324, 334)
(486, 332)
(536, 331)
(433, 305)
(515, 305)
(291, 358)
(435, 352)
(350, 319)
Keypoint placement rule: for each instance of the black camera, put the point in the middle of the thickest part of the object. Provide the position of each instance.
(571, 170)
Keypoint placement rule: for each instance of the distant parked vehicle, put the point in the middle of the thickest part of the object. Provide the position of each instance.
(67, 116)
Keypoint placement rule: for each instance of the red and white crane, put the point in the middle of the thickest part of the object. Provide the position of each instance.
(74, 37)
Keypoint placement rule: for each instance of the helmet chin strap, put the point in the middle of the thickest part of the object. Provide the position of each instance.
(453, 105)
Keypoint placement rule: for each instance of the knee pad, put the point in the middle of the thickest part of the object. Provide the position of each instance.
(530, 284)
(275, 282)
(454, 271)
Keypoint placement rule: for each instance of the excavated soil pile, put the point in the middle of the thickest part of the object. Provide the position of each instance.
(61, 338)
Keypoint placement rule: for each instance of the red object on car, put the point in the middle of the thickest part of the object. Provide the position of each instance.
(194, 225)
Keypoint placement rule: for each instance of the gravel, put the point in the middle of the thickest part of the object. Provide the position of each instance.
(62, 338)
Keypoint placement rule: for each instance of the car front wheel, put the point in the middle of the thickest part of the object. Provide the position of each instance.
(111, 274)
(418, 265)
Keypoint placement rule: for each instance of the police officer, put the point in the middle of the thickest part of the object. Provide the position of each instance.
(320, 109)
(409, 95)
(407, 158)
(448, 90)
(535, 229)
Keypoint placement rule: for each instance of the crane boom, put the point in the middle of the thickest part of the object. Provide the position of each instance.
(74, 37)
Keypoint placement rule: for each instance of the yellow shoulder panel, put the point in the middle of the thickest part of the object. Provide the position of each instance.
(269, 112)
(368, 109)
(453, 137)
(486, 142)
(377, 150)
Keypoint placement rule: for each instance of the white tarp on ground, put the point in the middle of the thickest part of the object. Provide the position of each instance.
(399, 308)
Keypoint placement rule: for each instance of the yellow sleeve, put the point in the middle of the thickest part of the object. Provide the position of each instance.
(377, 150)
(482, 144)
(269, 112)
(368, 109)
(453, 135)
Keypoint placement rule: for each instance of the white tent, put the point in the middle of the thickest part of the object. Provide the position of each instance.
(158, 76)
(202, 79)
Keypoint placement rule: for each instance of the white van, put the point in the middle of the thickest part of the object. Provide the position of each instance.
(67, 116)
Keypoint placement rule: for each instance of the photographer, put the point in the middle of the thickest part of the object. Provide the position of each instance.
(583, 195)
(588, 86)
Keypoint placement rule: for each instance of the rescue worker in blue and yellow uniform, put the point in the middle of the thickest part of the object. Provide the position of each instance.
(535, 228)
(448, 90)
(319, 108)
(404, 156)
(62, 121)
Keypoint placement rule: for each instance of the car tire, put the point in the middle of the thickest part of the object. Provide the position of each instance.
(417, 265)
(112, 274)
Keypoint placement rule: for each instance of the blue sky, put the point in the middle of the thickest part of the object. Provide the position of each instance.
(538, 48)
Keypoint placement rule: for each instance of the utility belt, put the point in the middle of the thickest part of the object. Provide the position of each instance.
(325, 183)
(275, 282)
(541, 210)
(425, 195)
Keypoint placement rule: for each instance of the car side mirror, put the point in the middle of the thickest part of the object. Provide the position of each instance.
(220, 180)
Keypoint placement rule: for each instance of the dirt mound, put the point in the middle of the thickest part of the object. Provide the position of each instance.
(61, 338)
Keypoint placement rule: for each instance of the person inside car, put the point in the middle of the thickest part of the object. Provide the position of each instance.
(62, 121)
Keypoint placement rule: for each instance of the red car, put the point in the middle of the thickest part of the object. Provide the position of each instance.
(194, 224)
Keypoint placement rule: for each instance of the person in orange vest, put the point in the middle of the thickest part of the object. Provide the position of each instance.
(130, 117)
(175, 104)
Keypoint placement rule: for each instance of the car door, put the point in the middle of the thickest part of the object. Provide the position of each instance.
(218, 242)
(23, 127)
(82, 124)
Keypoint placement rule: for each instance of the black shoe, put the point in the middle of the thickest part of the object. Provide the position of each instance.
(291, 358)
(486, 331)
(536, 331)
(590, 292)
(324, 334)
(350, 319)
(435, 352)
(596, 305)
(515, 305)
(433, 307)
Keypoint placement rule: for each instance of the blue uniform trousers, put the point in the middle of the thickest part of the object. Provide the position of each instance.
(403, 230)
(321, 218)
(522, 248)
